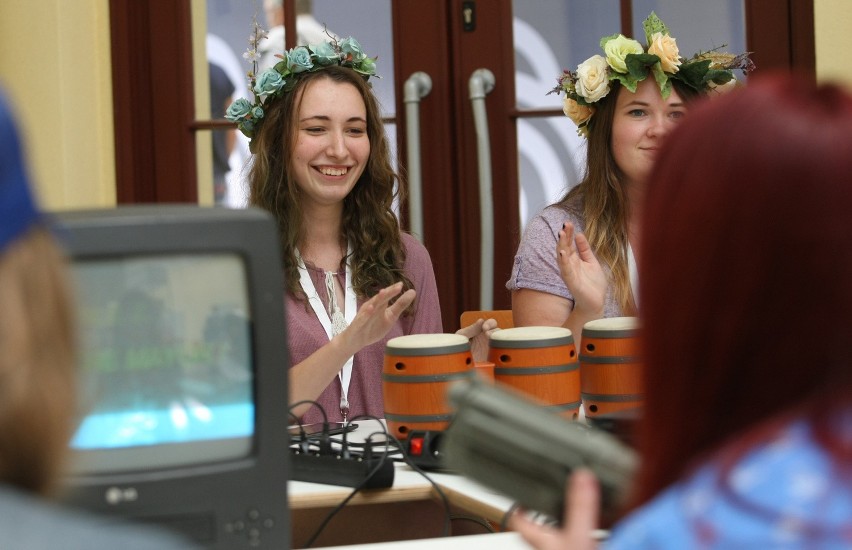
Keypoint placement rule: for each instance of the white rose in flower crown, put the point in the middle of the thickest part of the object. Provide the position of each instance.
(592, 80)
(579, 114)
(618, 48)
(665, 47)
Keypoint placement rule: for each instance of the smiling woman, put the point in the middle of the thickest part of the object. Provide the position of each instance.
(354, 280)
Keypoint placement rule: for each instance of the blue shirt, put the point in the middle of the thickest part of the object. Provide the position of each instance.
(787, 493)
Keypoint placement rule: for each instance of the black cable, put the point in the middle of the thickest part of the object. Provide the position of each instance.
(298, 419)
(435, 486)
(392, 446)
(345, 501)
(479, 521)
(355, 491)
(389, 438)
(304, 441)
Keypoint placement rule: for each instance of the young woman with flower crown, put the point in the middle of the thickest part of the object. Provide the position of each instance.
(624, 104)
(322, 167)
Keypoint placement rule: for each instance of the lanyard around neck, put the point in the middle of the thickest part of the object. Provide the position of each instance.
(350, 307)
(634, 274)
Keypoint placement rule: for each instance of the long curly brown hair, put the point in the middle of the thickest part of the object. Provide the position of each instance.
(369, 225)
(606, 207)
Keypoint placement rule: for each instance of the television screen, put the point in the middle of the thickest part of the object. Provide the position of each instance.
(182, 372)
(166, 375)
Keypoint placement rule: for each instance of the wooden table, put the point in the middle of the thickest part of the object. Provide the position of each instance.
(411, 509)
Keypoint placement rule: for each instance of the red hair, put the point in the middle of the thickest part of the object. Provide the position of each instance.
(746, 275)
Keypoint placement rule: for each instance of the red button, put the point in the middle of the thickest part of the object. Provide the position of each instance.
(415, 446)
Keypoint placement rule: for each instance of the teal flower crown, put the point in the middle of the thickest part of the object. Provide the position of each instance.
(629, 63)
(282, 78)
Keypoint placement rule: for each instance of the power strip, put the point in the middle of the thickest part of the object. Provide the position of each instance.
(335, 470)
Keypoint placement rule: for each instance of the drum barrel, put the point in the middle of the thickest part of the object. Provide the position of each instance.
(610, 366)
(540, 362)
(417, 372)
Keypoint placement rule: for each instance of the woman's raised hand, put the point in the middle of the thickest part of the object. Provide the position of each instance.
(376, 317)
(581, 271)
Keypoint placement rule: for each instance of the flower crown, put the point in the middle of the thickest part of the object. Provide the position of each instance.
(282, 78)
(629, 63)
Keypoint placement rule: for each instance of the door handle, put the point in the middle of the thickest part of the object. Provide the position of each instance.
(416, 87)
(481, 83)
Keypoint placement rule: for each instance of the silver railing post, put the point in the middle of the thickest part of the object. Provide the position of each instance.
(481, 83)
(416, 88)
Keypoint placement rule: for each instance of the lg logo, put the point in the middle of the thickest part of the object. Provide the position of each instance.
(117, 495)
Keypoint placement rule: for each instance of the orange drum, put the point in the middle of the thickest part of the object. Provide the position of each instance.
(610, 366)
(541, 362)
(418, 371)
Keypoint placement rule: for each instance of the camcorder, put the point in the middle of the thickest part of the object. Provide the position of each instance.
(506, 441)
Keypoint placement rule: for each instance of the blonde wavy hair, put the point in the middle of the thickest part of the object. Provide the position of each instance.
(605, 206)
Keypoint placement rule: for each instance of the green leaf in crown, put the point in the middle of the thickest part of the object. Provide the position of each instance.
(653, 24)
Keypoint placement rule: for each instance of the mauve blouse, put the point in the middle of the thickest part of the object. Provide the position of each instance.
(305, 335)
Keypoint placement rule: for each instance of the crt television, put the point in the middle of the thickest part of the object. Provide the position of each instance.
(183, 371)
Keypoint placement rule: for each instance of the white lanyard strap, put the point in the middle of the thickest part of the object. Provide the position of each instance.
(634, 274)
(350, 305)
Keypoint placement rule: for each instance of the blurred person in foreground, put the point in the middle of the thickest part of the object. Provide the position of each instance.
(746, 440)
(37, 375)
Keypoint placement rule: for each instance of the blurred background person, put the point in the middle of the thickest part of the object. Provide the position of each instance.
(308, 30)
(746, 439)
(221, 95)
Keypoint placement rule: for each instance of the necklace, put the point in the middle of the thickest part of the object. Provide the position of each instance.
(333, 320)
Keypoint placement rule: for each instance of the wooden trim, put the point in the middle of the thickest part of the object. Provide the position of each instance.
(291, 35)
(215, 124)
(535, 113)
(803, 48)
(411, 36)
(130, 89)
(780, 35)
(767, 33)
(626, 11)
(449, 157)
(506, 193)
(490, 46)
(153, 101)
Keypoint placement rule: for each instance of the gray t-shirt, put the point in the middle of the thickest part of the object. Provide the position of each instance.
(535, 264)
